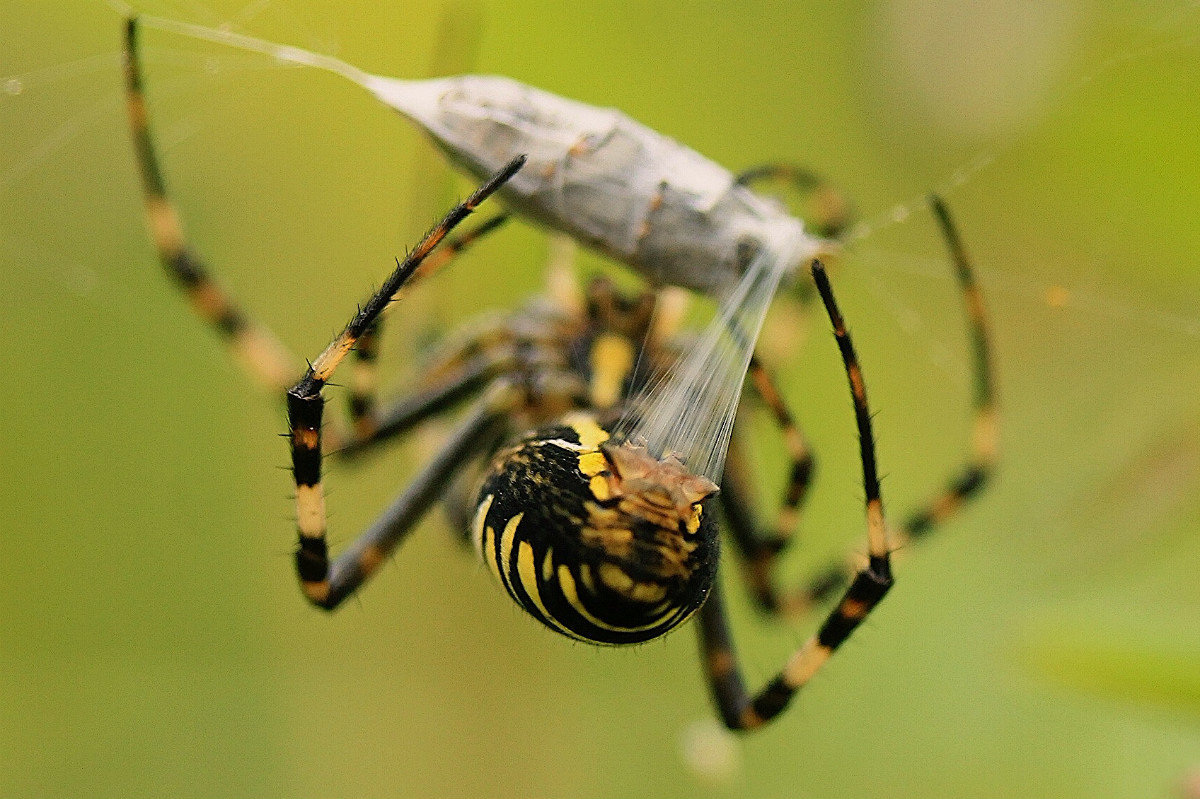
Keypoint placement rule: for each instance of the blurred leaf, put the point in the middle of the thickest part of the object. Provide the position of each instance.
(1157, 664)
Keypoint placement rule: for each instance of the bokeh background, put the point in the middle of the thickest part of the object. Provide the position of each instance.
(153, 642)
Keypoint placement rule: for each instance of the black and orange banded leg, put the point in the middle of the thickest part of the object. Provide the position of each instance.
(824, 211)
(327, 583)
(800, 457)
(981, 459)
(760, 553)
(741, 711)
(255, 347)
(402, 415)
(760, 550)
(982, 455)
(305, 404)
(363, 405)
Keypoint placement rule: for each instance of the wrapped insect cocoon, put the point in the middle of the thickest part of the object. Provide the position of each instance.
(593, 173)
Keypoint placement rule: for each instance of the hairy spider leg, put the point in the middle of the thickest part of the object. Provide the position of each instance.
(362, 399)
(741, 711)
(255, 346)
(761, 550)
(324, 584)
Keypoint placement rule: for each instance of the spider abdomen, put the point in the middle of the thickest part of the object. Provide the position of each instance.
(598, 542)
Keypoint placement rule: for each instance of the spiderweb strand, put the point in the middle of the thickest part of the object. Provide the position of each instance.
(689, 411)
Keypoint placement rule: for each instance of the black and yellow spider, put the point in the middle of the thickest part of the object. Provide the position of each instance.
(593, 536)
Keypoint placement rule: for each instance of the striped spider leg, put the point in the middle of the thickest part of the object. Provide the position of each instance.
(327, 584)
(741, 711)
(760, 547)
(254, 346)
(366, 418)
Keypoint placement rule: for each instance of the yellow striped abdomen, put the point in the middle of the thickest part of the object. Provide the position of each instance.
(599, 542)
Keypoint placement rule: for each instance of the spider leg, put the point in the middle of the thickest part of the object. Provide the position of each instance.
(968, 483)
(829, 213)
(738, 709)
(327, 583)
(305, 403)
(363, 406)
(981, 459)
(401, 415)
(255, 347)
(760, 550)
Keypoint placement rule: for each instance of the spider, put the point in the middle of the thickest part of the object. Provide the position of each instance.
(595, 537)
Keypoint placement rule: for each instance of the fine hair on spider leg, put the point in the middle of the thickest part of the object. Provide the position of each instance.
(741, 710)
(327, 583)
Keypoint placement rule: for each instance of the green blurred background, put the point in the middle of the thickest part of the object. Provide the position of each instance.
(1047, 644)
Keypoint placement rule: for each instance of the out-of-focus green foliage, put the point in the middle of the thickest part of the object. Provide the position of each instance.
(1161, 670)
